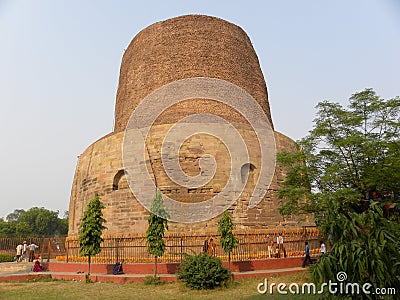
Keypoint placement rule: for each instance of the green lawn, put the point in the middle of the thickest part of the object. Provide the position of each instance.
(50, 289)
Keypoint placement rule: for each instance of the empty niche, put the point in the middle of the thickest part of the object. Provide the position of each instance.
(247, 172)
(120, 181)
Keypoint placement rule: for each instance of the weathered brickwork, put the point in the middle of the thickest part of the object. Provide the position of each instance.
(183, 47)
(186, 47)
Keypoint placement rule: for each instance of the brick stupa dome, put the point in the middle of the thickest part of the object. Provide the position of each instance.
(179, 48)
(186, 47)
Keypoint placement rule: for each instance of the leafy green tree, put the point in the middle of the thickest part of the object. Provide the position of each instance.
(43, 222)
(14, 216)
(7, 229)
(91, 228)
(346, 169)
(366, 246)
(355, 149)
(228, 240)
(34, 222)
(157, 225)
(23, 229)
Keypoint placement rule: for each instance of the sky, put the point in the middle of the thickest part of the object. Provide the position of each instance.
(60, 60)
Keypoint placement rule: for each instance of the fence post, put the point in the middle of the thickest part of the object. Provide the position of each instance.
(48, 251)
(41, 250)
(117, 249)
(67, 243)
(181, 240)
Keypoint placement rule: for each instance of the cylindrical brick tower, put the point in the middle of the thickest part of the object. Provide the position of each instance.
(187, 47)
(184, 47)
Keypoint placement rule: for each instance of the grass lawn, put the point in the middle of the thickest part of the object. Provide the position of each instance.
(57, 289)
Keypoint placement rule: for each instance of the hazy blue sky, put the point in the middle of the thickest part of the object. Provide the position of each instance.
(59, 69)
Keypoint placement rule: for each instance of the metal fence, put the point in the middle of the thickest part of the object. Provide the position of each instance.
(132, 248)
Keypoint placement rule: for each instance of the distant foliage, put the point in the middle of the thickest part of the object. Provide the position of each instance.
(203, 271)
(33, 222)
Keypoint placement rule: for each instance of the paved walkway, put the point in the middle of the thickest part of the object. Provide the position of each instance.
(15, 268)
(11, 271)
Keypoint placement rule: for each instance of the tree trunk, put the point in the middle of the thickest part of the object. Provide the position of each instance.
(155, 267)
(229, 260)
(89, 265)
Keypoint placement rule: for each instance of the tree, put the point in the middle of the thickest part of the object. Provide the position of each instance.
(355, 149)
(34, 222)
(22, 229)
(42, 222)
(366, 246)
(345, 171)
(91, 228)
(7, 229)
(14, 216)
(228, 240)
(157, 225)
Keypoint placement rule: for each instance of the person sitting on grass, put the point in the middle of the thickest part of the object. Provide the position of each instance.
(117, 269)
(37, 267)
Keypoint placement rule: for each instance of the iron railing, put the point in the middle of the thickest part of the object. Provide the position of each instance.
(252, 245)
(132, 247)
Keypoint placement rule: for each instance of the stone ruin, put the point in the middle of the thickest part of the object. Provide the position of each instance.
(189, 46)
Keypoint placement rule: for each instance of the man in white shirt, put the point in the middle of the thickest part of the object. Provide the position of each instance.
(323, 247)
(31, 248)
(25, 251)
(19, 252)
(279, 241)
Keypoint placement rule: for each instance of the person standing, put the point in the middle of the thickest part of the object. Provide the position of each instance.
(19, 252)
(271, 249)
(323, 247)
(31, 251)
(25, 251)
(205, 245)
(307, 253)
(279, 242)
(211, 247)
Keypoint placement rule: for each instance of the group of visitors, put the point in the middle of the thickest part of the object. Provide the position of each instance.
(307, 253)
(209, 247)
(26, 252)
(279, 250)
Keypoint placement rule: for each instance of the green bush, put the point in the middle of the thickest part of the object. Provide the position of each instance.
(203, 271)
(6, 258)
